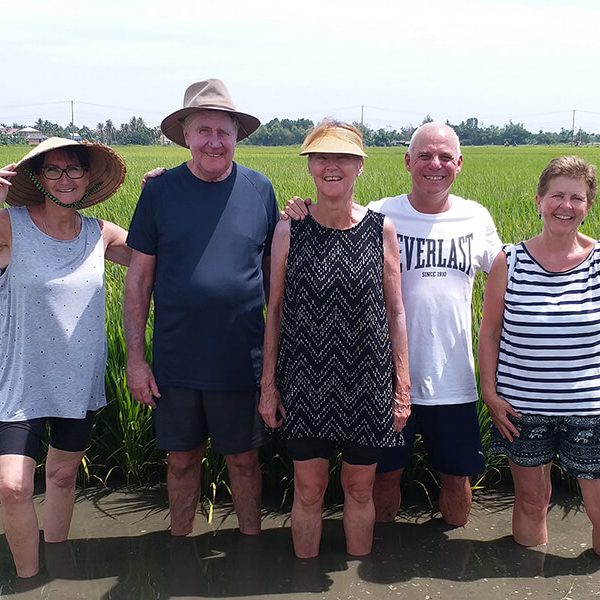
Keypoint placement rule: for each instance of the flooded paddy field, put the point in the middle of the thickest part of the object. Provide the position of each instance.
(120, 549)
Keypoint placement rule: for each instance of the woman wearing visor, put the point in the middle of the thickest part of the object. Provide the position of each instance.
(335, 374)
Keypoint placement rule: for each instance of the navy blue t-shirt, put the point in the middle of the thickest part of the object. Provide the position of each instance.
(209, 240)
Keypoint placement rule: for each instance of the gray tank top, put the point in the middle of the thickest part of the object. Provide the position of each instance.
(52, 331)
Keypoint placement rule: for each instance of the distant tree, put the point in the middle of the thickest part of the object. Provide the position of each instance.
(406, 132)
(490, 136)
(515, 134)
(50, 129)
(547, 137)
(6, 140)
(582, 137)
(136, 132)
(472, 123)
(87, 134)
(284, 132)
(305, 124)
(109, 132)
(565, 136)
(279, 132)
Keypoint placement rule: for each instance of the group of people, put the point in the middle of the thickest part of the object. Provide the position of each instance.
(367, 341)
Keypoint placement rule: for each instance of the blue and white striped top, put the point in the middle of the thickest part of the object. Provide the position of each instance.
(549, 360)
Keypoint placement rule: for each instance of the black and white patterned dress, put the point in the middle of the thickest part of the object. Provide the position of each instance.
(334, 368)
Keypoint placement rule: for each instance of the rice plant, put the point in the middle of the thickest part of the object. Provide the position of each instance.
(122, 448)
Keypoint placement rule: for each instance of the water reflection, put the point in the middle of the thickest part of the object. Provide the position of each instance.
(118, 561)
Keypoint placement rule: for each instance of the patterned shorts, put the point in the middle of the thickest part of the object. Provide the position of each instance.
(575, 440)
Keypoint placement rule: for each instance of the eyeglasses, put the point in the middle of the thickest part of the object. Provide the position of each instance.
(72, 172)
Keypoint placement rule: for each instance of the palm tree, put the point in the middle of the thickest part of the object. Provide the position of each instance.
(109, 131)
(100, 131)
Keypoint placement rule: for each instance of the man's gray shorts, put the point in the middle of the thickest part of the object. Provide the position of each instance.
(184, 419)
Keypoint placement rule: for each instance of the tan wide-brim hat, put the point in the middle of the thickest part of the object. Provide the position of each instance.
(206, 95)
(107, 173)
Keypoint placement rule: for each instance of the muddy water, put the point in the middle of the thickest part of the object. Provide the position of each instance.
(119, 549)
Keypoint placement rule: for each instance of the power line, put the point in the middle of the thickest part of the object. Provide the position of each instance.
(145, 110)
(35, 104)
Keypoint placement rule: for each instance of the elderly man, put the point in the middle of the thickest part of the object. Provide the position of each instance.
(201, 237)
(444, 240)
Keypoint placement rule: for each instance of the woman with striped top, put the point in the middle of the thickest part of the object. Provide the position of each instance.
(539, 351)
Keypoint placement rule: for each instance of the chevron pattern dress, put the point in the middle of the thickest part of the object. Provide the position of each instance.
(334, 368)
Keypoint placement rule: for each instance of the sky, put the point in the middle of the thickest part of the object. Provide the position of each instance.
(390, 63)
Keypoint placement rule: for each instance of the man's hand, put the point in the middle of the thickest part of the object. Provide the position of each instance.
(152, 175)
(296, 209)
(141, 383)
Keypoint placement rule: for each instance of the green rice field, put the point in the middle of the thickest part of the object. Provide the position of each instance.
(501, 178)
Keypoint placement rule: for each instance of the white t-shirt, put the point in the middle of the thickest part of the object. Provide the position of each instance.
(440, 255)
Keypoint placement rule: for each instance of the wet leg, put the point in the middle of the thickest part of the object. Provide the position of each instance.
(387, 495)
(590, 488)
(246, 489)
(183, 486)
(310, 483)
(532, 497)
(61, 474)
(18, 514)
(359, 510)
(455, 499)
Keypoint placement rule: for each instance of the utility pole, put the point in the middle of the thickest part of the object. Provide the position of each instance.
(362, 117)
(72, 122)
(573, 129)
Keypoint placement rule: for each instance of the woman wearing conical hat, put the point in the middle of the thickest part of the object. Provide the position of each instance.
(52, 332)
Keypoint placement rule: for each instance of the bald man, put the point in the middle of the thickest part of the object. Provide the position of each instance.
(444, 240)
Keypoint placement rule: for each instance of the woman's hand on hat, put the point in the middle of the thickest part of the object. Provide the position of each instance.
(6, 173)
(152, 175)
(296, 209)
